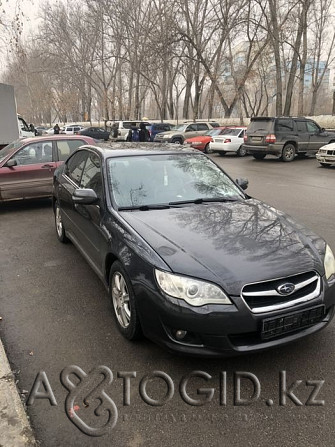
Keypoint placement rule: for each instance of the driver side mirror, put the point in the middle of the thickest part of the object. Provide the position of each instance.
(242, 183)
(85, 196)
(10, 163)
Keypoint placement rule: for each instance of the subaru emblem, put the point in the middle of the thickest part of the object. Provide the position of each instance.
(286, 289)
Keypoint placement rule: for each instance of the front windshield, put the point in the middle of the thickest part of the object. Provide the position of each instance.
(10, 147)
(137, 181)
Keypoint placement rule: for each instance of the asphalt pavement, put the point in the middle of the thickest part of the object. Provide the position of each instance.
(63, 346)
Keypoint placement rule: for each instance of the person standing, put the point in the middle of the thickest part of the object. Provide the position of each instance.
(56, 129)
(144, 133)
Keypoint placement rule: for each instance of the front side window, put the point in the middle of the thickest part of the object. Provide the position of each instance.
(91, 177)
(75, 165)
(34, 153)
(312, 127)
(159, 179)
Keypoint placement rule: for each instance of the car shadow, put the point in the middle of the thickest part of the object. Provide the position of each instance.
(25, 205)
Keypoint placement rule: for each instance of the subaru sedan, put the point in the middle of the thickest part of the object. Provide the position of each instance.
(27, 165)
(188, 258)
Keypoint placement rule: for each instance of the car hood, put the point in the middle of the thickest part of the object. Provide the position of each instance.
(230, 243)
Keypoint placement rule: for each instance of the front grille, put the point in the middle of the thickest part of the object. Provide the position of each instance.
(269, 295)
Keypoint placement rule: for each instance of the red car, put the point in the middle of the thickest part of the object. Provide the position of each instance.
(27, 165)
(202, 141)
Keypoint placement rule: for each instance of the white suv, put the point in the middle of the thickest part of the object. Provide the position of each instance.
(71, 130)
(120, 129)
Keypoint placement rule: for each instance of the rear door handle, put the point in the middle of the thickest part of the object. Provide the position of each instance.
(47, 166)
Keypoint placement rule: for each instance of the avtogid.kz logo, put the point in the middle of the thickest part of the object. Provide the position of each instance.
(90, 408)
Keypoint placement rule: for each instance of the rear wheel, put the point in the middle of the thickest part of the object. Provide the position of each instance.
(259, 156)
(123, 301)
(288, 152)
(242, 152)
(60, 230)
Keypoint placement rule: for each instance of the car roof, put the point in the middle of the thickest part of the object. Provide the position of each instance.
(53, 137)
(117, 149)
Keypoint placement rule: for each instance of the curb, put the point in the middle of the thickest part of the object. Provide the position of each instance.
(15, 430)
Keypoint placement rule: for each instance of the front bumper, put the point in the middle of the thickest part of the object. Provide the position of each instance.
(325, 158)
(220, 331)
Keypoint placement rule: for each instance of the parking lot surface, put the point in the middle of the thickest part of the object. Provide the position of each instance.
(57, 327)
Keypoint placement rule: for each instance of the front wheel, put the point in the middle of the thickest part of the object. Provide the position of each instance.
(288, 152)
(123, 301)
(60, 230)
(324, 165)
(177, 141)
(242, 152)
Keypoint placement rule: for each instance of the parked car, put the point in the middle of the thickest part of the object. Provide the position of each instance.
(326, 155)
(71, 130)
(98, 133)
(40, 130)
(120, 129)
(188, 258)
(27, 165)
(285, 137)
(202, 141)
(231, 140)
(180, 133)
(155, 128)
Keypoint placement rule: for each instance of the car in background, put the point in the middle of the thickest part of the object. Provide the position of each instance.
(178, 134)
(285, 137)
(120, 129)
(71, 130)
(202, 141)
(326, 155)
(155, 128)
(188, 258)
(98, 133)
(27, 165)
(40, 130)
(231, 140)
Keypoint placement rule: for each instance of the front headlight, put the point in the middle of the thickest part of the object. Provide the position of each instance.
(193, 291)
(166, 136)
(329, 262)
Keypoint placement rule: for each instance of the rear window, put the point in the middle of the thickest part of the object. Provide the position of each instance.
(66, 147)
(260, 126)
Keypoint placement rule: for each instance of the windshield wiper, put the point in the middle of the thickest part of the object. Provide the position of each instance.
(159, 206)
(205, 200)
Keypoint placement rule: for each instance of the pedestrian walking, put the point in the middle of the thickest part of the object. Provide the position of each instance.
(56, 129)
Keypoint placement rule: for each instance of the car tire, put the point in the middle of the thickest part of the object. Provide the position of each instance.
(288, 152)
(259, 156)
(124, 303)
(324, 165)
(222, 153)
(60, 230)
(177, 141)
(207, 149)
(241, 152)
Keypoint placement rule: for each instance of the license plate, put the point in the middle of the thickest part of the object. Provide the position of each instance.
(273, 327)
(256, 139)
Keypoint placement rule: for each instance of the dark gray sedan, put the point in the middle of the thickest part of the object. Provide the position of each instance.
(188, 258)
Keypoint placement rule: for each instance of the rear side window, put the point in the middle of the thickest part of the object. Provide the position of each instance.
(66, 147)
(284, 125)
